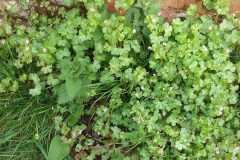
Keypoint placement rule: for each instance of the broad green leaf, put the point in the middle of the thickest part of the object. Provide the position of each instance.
(57, 149)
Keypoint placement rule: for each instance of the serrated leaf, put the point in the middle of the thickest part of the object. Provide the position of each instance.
(63, 96)
(73, 86)
(69, 90)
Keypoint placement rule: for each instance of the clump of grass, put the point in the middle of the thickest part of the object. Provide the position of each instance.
(25, 125)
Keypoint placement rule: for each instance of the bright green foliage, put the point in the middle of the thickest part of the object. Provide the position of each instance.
(134, 86)
(221, 6)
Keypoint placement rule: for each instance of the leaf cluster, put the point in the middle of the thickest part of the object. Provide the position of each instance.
(134, 86)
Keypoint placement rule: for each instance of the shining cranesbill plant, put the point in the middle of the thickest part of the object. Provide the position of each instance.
(131, 86)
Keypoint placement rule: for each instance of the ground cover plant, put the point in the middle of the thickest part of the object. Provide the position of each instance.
(125, 84)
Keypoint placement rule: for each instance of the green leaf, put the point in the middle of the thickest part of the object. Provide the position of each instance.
(63, 53)
(14, 8)
(226, 25)
(73, 86)
(69, 90)
(192, 10)
(67, 2)
(235, 36)
(150, 6)
(63, 96)
(154, 9)
(68, 158)
(179, 145)
(51, 80)
(78, 111)
(47, 69)
(57, 149)
(36, 91)
(7, 28)
(14, 86)
(135, 46)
